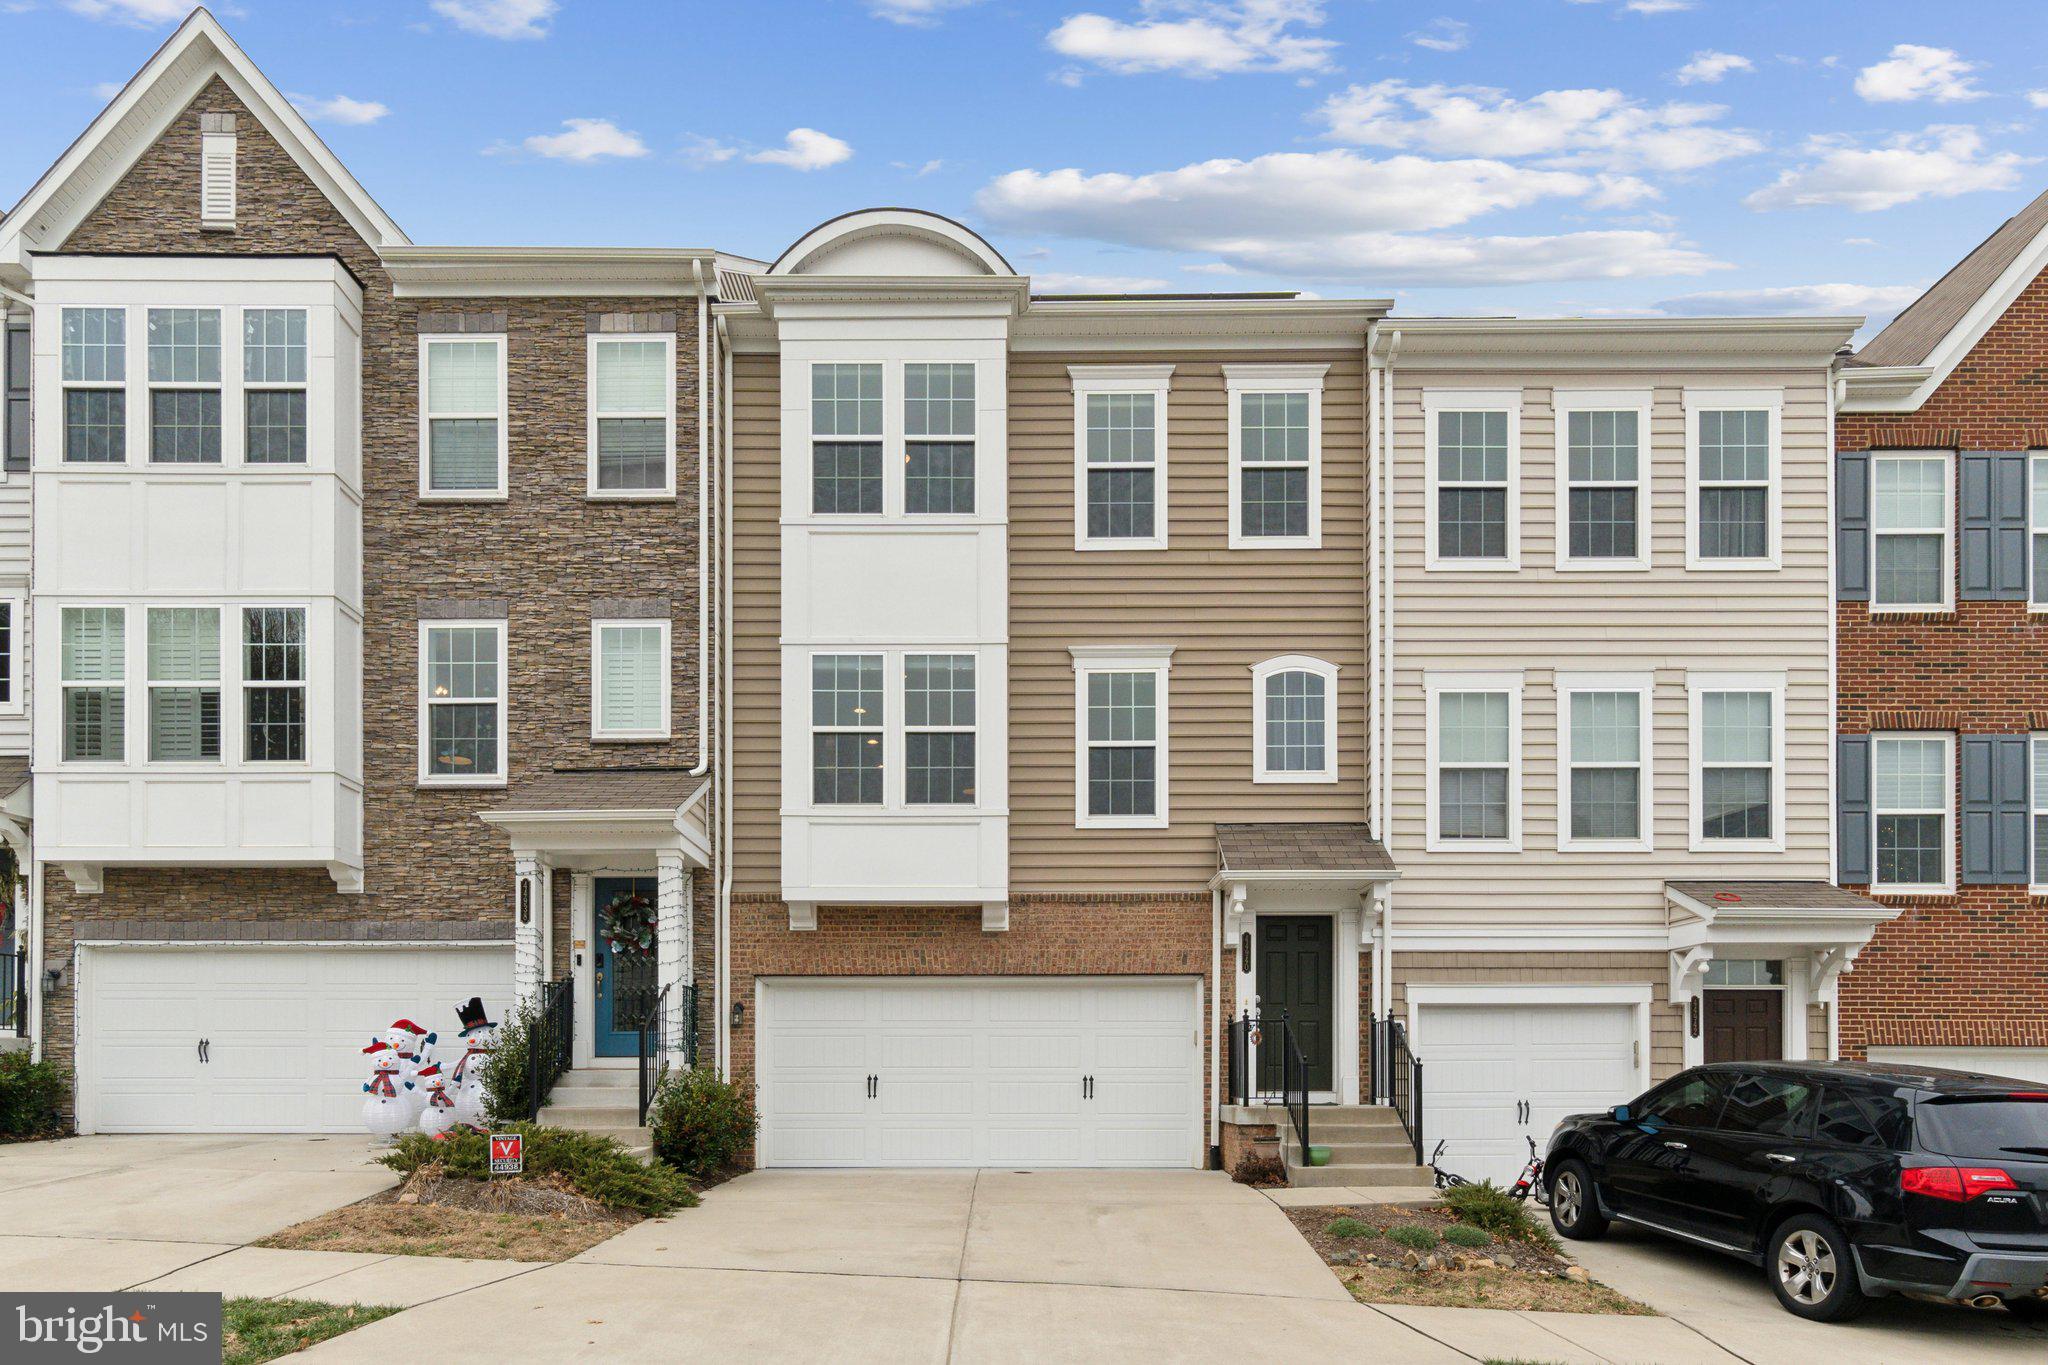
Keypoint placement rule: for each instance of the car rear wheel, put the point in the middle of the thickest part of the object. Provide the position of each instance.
(1812, 1270)
(1574, 1212)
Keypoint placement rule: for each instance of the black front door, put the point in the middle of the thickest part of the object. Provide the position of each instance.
(1745, 1026)
(1296, 964)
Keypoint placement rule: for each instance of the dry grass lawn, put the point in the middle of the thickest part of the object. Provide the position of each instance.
(1482, 1288)
(505, 1220)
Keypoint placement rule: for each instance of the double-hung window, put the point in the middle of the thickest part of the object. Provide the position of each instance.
(1475, 758)
(274, 385)
(846, 439)
(1909, 520)
(184, 684)
(1732, 443)
(1276, 455)
(274, 684)
(2039, 808)
(1120, 701)
(1911, 784)
(463, 439)
(1604, 752)
(184, 386)
(1473, 453)
(1294, 702)
(1736, 735)
(95, 375)
(1603, 480)
(630, 662)
(632, 416)
(94, 670)
(462, 703)
(938, 439)
(1120, 456)
(938, 729)
(847, 730)
(2037, 526)
(12, 614)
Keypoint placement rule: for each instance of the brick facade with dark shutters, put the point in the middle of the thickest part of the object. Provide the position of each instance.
(547, 550)
(1969, 969)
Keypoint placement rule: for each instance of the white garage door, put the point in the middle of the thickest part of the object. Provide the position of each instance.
(997, 1071)
(1494, 1075)
(285, 1030)
(2021, 1063)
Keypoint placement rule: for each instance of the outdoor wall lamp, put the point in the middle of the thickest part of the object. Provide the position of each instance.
(739, 1012)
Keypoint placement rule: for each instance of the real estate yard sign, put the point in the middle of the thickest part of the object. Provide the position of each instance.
(508, 1154)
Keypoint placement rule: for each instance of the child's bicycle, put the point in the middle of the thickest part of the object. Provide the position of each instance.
(1528, 1183)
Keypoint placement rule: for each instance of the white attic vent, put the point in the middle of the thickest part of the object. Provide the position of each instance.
(217, 170)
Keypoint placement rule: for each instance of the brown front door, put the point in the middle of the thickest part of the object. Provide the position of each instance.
(1745, 1026)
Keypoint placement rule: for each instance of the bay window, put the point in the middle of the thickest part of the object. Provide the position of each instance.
(184, 386)
(938, 720)
(184, 684)
(847, 719)
(274, 385)
(846, 444)
(938, 434)
(94, 375)
(274, 684)
(93, 671)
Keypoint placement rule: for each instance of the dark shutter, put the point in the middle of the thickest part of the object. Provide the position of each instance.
(1852, 810)
(1994, 527)
(1852, 527)
(1995, 814)
(14, 381)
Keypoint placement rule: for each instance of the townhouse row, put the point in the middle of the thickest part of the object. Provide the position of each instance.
(990, 700)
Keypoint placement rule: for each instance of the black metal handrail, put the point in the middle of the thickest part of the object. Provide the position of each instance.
(1247, 1034)
(654, 1033)
(14, 992)
(550, 1047)
(1397, 1077)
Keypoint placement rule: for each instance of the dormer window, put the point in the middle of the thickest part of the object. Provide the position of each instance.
(217, 171)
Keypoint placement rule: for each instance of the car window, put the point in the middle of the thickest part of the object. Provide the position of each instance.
(1990, 1127)
(1688, 1102)
(1860, 1120)
(1770, 1106)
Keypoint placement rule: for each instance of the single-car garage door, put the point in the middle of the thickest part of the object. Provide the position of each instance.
(1496, 1075)
(284, 1029)
(992, 1071)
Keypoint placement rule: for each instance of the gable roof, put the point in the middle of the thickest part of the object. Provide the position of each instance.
(199, 51)
(1301, 846)
(1911, 337)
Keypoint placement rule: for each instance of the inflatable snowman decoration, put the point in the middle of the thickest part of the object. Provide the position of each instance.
(413, 1045)
(478, 1037)
(386, 1110)
(439, 1114)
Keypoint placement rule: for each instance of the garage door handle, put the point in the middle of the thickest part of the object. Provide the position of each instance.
(871, 1086)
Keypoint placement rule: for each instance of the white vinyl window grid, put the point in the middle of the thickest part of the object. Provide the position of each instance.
(497, 699)
(2037, 805)
(953, 723)
(499, 413)
(1935, 469)
(1642, 687)
(1150, 383)
(664, 412)
(1290, 671)
(260, 358)
(1885, 801)
(1094, 661)
(287, 681)
(1770, 402)
(1700, 686)
(1568, 403)
(1436, 403)
(860, 722)
(940, 413)
(1437, 686)
(113, 684)
(843, 415)
(94, 366)
(610, 632)
(1275, 381)
(170, 619)
(2037, 530)
(188, 378)
(13, 677)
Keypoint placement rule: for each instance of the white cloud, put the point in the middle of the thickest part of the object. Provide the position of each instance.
(1199, 38)
(1058, 282)
(1709, 67)
(138, 13)
(1859, 241)
(339, 109)
(1940, 163)
(701, 151)
(1443, 35)
(806, 149)
(586, 139)
(932, 167)
(915, 13)
(1914, 72)
(1337, 215)
(106, 90)
(1644, 6)
(499, 18)
(1578, 127)
(2038, 98)
(1826, 299)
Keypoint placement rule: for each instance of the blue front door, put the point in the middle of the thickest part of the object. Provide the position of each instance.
(625, 973)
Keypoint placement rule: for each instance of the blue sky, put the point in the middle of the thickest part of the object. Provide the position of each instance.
(1527, 156)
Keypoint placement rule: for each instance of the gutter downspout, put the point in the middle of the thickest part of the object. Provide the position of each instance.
(1837, 390)
(722, 915)
(1215, 1026)
(704, 530)
(32, 871)
(1383, 985)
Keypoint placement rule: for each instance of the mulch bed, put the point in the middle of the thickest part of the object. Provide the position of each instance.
(522, 1219)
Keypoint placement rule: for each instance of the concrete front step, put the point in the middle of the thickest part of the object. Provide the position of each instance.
(1371, 1153)
(1358, 1173)
(598, 1096)
(591, 1115)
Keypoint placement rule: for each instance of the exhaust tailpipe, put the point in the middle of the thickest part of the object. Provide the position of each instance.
(1984, 1301)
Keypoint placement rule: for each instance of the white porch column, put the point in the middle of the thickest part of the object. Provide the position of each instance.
(529, 918)
(672, 941)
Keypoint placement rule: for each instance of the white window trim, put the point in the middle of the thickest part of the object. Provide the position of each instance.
(1697, 685)
(1565, 402)
(233, 403)
(1435, 685)
(1240, 380)
(16, 602)
(592, 345)
(498, 779)
(2037, 598)
(891, 706)
(1092, 659)
(2037, 809)
(1154, 381)
(895, 731)
(1294, 663)
(503, 416)
(246, 684)
(1436, 402)
(245, 386)
(597, 726)
(1727, 400)
(892, 425)
(1947, 812)
(901, 680)
(150, 684)
(126, 684)
(1946, 531)
(898, 471)
(1644, 685)
(126, 388)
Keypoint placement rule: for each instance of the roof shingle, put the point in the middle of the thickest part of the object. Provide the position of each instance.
(1326, 846)
(1776, 895)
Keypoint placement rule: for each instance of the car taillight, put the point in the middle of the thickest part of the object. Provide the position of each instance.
(1958, 1184)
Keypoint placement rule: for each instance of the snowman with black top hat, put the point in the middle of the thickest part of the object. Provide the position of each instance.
(478, 1037)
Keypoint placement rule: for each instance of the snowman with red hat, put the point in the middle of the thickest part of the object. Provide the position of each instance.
(414, 1046)
(387, 1111)
(438, 1115)
(479, 1035)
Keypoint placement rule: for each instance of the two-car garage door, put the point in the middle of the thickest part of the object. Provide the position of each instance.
(991, 1071)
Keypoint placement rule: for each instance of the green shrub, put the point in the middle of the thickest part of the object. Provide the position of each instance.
(1465, 1235)
(1491, 1208)
(31, 1093)
(595, 1167)
(700, 1124)
(1253, 1169)
(1413, 1236)
(1351, 1228)
(506, 1090)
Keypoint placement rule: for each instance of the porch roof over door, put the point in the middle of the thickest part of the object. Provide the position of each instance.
(1317, 850)
(572, 811)
(1808, 921)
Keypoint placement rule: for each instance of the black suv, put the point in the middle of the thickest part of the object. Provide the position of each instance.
(1842, 1179)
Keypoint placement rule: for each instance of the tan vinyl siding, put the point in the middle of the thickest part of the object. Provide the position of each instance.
(1667, 1037)
(757, 623)
(1222, 610)
(1666, 621)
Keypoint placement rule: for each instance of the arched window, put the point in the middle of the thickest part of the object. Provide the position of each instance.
(1294, 709)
